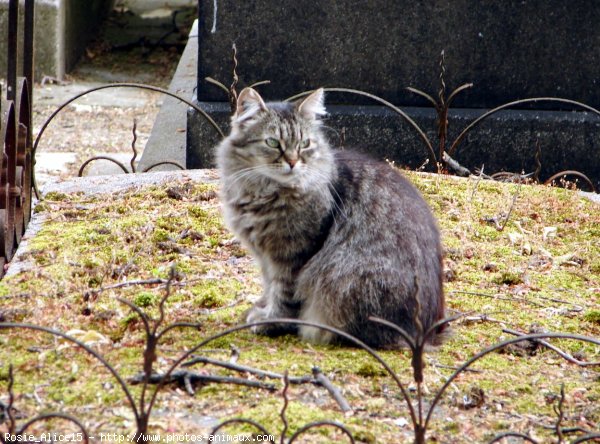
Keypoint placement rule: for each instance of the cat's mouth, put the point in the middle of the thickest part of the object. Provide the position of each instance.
(287, 176)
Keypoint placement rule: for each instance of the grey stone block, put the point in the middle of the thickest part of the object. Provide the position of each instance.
(509, 48)
(63, 28)
(167, 141)
(505, 141)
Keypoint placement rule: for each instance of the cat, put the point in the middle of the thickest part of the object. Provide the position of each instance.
(339, 237)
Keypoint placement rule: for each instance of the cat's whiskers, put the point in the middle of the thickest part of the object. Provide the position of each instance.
(243, 174)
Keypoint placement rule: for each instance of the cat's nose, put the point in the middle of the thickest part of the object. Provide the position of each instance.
(292, 162)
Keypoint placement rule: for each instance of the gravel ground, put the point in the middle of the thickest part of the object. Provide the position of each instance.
(101, 123)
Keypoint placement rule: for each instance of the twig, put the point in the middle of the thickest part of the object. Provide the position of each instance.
(479, 177)
(457, 167)
(233, 96)
(152, 281)
(244, 369)
(15, 296)
(538, 162)
(187, 378)
(501, 298)
(565, 430)
(135, 153)
(450, 367)
(512, 206)
(217, 83)
(483, 318)
(507, 176)
(560, 413)
(576, 309)
(286, 385)
(318, 377)
(333, 390)
(11, 400)
(563, 354)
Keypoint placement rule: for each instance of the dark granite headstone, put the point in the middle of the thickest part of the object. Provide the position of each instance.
(508, 49)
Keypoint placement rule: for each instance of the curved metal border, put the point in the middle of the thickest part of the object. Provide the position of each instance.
(8, 135)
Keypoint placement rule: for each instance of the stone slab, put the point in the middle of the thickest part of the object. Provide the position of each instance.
(510, 49)
(62, 30)
(505, 141)
(167, 141)
(92, 185)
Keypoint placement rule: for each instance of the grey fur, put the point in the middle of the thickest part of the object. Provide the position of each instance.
(338, 237)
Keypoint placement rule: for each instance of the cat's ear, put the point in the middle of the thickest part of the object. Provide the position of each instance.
(313, 106)
(249, 103)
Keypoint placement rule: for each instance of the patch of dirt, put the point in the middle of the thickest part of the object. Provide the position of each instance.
(90, 130)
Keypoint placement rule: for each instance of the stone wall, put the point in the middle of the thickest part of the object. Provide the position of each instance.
(509, 49)
(63, 28)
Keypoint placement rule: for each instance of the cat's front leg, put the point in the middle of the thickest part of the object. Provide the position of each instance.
(277, 302)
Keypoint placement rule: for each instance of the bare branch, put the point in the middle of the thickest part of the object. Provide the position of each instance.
(555, 349)
(333, 390)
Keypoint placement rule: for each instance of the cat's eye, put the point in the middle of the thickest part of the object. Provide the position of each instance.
(272, 143)
(305, 143)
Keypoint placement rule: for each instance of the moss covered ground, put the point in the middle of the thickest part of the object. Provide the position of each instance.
(519, 257)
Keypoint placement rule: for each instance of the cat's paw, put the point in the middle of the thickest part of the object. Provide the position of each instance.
(260, 313)
(316, 335)
(257, 314)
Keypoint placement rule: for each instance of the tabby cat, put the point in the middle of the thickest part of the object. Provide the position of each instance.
(338, 236)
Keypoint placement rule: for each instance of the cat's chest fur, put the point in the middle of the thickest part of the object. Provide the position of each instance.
(285, 224)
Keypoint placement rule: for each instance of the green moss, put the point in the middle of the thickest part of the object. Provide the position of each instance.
(508, 278)
(56, 196)
(365, 437)
(40, 207)
(130, 319)
(297, 415)
(371, 369)
(451, 427)
(524, 389)
(145, 299)
(170, 223)
(592, 316)
(215, 293)
(198, 212)
(90, 263)
(160, 235)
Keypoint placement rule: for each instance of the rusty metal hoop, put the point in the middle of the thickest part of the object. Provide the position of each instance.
(22, 191)
(8, 135)
(16, 159)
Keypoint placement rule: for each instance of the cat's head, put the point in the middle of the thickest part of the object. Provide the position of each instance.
(279, 141)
